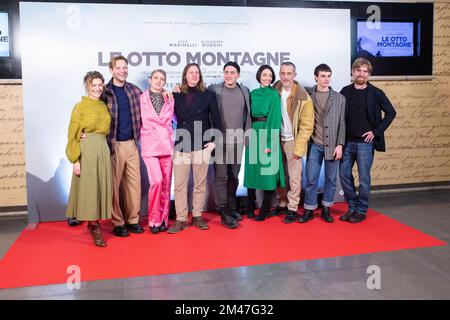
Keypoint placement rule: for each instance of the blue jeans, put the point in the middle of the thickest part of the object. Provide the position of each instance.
(362, 153)
(313, 165)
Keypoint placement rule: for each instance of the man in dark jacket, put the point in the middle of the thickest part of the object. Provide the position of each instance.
(365, 128)
(233, 101)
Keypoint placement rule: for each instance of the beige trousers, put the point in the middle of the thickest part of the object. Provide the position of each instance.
(290, 196)
(182, 163)
(126, 183)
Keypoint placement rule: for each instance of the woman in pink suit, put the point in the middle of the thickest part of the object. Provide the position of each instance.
(157, 143)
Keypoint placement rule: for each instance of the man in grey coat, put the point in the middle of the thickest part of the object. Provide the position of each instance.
(233, 101)
(326, 142)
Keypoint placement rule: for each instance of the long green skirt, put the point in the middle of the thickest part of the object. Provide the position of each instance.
(90, 195)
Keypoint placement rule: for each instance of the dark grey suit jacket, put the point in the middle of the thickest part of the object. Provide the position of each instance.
(246, 117)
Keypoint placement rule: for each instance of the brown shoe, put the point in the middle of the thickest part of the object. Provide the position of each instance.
(199, 223)
(177, 226)
(96, 234)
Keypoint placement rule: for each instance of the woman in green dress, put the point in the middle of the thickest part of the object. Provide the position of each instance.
(90, 197)
(263, 160)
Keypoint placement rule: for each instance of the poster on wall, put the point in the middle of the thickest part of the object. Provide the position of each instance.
(4, 35)
(391, 39)
(61, 42)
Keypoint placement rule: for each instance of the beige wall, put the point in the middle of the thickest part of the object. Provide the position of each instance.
(12, 149)
(418, 141)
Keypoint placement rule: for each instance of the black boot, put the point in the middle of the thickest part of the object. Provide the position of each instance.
(162, 227)
(278, 211)
(325, 215)
(251, 195)
(236, 215)
(73, 222)
(308, 215)
(226, 219)
(291, 216)
(261, 216)
(265, 208)
(250, 211)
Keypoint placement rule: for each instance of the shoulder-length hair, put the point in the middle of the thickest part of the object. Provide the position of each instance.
(200, 85)
(261, 69)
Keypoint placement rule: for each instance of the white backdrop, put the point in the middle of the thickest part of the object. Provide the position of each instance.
(61, 42)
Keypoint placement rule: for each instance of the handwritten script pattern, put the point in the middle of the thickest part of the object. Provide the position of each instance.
(418, 141)
(12, 148)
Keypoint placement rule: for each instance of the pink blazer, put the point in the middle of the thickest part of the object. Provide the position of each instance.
(157, 137)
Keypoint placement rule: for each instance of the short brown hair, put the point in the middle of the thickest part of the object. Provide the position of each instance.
(90, 76)
(112, 62)
(362, 62)
(200, 85)
(322, 68)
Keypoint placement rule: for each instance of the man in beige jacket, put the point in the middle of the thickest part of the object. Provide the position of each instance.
(297, 126)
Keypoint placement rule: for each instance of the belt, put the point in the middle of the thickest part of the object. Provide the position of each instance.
(257, 119)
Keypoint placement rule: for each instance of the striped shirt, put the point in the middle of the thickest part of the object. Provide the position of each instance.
(133, 93)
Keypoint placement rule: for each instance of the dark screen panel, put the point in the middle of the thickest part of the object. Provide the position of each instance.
(420, 64)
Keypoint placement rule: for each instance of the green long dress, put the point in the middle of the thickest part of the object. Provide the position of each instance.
(90, 196)
(264, 171)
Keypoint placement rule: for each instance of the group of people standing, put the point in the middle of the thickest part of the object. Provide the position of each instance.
(277, 124)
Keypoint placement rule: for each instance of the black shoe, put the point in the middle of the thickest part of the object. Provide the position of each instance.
(277, 211)
(162, 227)
(357, 218)
(291, 216)
(121, 231)
(154, 230)
(325, 215)
(308, 215)
(229, 222)
(134, 228)
(346, 216)
(236, 215)
(73, 222)
(250, 213)
(261, 216)
(226, 218)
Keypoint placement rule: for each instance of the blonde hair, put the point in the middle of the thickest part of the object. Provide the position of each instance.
(90, 76)
(362, 62)
(112, 62)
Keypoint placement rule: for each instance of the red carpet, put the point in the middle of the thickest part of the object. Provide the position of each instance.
(41, 256)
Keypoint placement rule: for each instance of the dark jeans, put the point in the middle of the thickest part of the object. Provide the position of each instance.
(362, 154)
(313, 166)
(227, 166)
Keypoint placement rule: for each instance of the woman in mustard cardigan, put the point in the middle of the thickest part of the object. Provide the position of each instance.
(90, 197)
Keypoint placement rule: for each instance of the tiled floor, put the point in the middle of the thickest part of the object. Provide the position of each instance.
(408, 274)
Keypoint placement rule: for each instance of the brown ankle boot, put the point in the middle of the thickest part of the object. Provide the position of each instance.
(199, 223)
(96, 234)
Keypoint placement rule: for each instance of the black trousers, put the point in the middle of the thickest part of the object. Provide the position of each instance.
(227, 166)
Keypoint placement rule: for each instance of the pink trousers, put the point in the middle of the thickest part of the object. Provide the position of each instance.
(159, 170)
